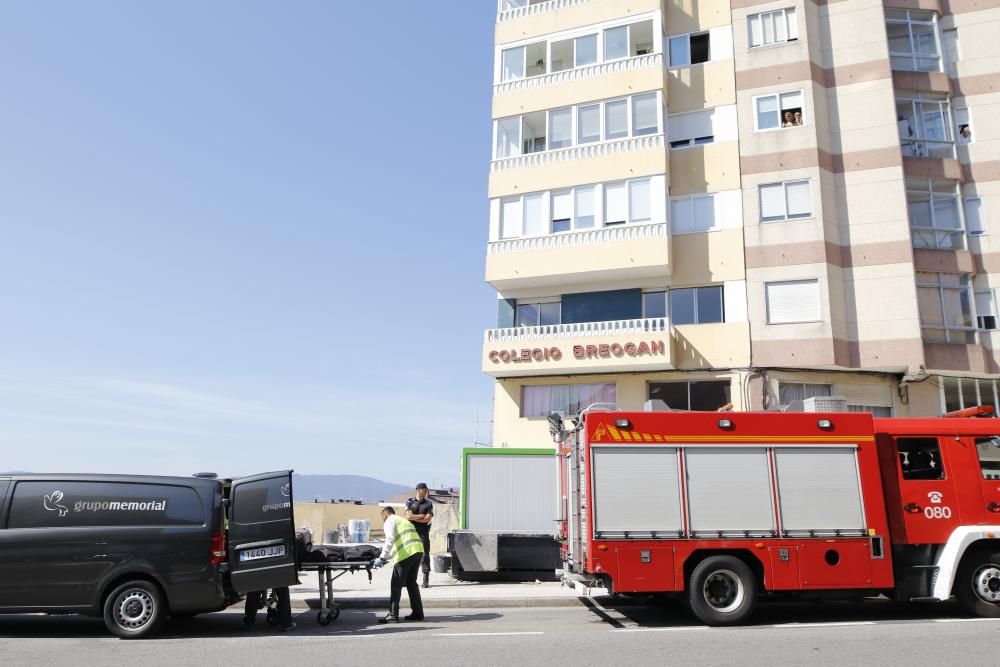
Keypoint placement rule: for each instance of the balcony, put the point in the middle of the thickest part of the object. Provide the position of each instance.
(588, 347)
(519, 9)
(579, 73)
(607, 253)
(575, 153)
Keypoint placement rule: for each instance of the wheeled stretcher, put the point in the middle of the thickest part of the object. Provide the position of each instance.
(328, 609)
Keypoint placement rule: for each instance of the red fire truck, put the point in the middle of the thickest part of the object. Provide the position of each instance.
(724, 509)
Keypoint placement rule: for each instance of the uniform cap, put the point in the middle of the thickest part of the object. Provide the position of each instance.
(421, 485)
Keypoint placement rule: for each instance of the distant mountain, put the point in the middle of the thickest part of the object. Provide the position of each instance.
(348, 487)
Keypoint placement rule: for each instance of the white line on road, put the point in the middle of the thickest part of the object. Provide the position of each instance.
(963, 620)
(679, 628)
(823, 625)
(484, 634)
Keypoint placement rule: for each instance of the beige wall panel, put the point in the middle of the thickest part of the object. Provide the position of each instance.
(779, 236)
(629, 164)
(613, 260)
(848, 33)
(762, 58)
(860, 117)
(576, 16)
(964, 358)
(722, 345)
(795, 351)
(685, 16)
(879, 204)
(708, 168)
(693, 88)
(838, 297)
(702, 259)
(924, 398)
(579, 91)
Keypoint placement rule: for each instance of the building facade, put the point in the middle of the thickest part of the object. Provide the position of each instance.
(720, 202)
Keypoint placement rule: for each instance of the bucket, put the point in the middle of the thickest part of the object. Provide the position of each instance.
(441, 563)
(358, 530)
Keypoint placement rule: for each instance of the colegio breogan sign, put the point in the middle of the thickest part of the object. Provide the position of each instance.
(581, 352)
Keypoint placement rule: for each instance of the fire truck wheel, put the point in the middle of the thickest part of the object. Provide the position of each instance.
(977, 584)
(722, 591)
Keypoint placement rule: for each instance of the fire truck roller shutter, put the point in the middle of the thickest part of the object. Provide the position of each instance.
(819, 491)
(729, 491)
(637, 490)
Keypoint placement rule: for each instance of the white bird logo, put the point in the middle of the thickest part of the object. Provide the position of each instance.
(286, 490)
(51, 503)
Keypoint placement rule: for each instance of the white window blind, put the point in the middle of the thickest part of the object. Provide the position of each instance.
(534, 215)
(767, 112)
(681, 220)
(799, 199)
(793, 24)
(690, 125)
(704, 213)
(644, 116)
(864, 394)
(792, 301)
(729, 490)
(973, 215)
(510, 218)
(772, 202)
(584, 207)
(560, 128)
(819, 490)
(639, 201)
(562, 209)
(636, 490)
(616, 119)
(615, 204)
(589, 124)
(984, 304)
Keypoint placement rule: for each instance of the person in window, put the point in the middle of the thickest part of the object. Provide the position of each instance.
(798, 118)
(789, 120)
(964, 134)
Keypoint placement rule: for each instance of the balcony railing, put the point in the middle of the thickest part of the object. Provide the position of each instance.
(535, 8)
(549, 331)
(601, 235)
(928, 148)
(577, 73)
(583, 152)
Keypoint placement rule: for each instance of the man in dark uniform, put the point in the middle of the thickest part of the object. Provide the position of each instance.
(420, 513)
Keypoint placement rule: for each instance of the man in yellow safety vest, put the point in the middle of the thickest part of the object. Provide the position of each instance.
(405, 548)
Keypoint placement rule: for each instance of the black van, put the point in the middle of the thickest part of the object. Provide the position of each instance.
(137, 549)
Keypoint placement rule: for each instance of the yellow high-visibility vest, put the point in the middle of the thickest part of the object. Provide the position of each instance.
(406, 543)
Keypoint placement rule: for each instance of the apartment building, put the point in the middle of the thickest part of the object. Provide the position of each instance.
(715, 202)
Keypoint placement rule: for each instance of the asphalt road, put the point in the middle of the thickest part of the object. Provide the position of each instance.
(879, 633)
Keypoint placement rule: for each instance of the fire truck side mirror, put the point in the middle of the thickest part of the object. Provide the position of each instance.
(555, 424)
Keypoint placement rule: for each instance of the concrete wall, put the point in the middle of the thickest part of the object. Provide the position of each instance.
(326, 516)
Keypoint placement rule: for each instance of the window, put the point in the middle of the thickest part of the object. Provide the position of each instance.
(913, 43)
(573, 209)
(562, 211)
(689, 49)
(776, 111)
(570, 399)
(960, 393)
(691, 129)
(772, 27)
(963, 126)
(924, 126)
(986, 309)
(586, 50)
(949, 42)
(635, 39)
(654, 304)
(707, 395)
(627, 202)
(877, 411)
(615, 204)
(534, 215)
(538, 314)
(696, 305)
(785, 201)
(584, 198)
(920, 458)
(616, 43)
(511, 218)
(974, 215)
(988, 450)
(793, 301)
(935, 218)
(639, 202)
(789, 392)
(635, 116)
(692, 214)
(945, 304)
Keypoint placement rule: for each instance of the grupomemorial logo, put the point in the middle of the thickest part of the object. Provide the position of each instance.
(286, 490)
(51, 502)
(935, 497)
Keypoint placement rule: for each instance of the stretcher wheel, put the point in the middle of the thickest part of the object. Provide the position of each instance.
(325, 618)
(272, 616)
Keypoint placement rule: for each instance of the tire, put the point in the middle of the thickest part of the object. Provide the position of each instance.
(722, 590)
(977, 584)
(134, 610)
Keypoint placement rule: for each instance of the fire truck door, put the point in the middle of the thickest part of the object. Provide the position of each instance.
(988, 453)
(927, 490)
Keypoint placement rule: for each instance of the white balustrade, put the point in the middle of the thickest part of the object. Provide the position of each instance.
(582, 237)
(600, 149)
(577, 73)
(531, 10)
(550, 331)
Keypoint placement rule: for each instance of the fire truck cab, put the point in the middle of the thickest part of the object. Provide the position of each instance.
(724, 509)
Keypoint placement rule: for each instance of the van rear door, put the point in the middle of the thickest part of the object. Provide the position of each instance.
(261, 542)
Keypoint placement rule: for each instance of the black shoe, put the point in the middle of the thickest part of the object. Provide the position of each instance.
(286, 628)
(389, 618)
(414, 617)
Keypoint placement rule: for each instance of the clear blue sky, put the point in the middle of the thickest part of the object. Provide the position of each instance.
(240, 236)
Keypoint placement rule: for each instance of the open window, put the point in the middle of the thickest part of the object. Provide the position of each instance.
(781, 110)
(920, 458)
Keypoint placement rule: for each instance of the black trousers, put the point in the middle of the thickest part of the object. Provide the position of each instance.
(254, 599)
(425, 564)
(405, 574)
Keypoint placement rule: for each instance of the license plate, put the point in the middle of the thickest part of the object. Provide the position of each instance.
(263, 552)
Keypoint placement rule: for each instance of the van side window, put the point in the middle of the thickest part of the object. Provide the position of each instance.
(263, 501)
(58, 504)
(920, 458)
(988, 450)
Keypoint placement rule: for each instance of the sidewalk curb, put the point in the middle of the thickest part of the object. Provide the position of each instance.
(444, 603)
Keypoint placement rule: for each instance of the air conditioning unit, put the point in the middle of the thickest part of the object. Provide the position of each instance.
(819, 404)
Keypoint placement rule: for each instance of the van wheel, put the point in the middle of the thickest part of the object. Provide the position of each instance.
(722, 591)
(977, 584)
(135, 609)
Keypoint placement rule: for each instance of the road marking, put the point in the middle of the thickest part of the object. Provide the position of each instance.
(679, 628)
(964, 620)
(484, 634)
(823, 625)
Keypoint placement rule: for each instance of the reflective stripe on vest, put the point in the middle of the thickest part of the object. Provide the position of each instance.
(407, 541)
